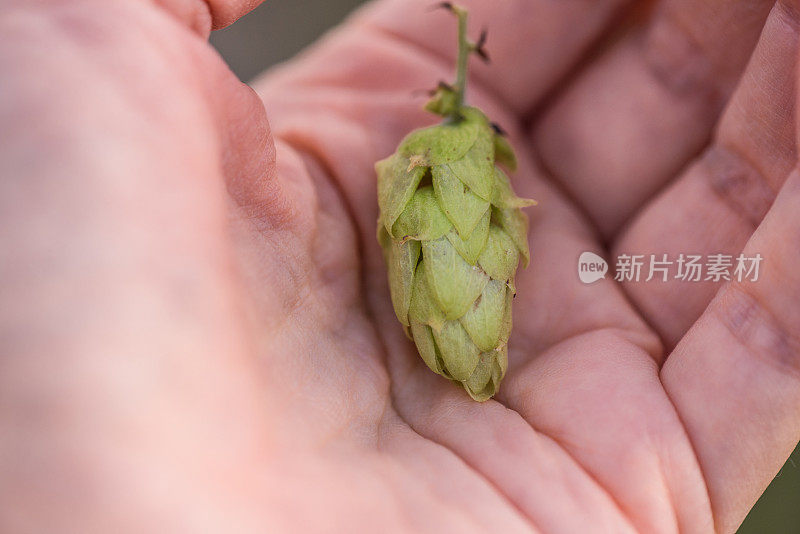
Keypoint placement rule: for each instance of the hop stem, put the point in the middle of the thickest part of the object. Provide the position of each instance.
(448, 100)
(465, 48)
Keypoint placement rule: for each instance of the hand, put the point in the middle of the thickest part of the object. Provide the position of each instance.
(196, 328)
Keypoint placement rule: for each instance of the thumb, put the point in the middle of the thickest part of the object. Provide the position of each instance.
(225, 12)
(206, 15)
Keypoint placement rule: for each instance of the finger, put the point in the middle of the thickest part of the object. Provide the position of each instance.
(598, 396)
(553, 36)
(200, 15)
(735, 377)
(717, 203)
(630, 121)
(226, 12)
(121, 333)
(206, 15)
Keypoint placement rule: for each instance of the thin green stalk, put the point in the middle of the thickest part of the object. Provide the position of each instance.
(464, 50)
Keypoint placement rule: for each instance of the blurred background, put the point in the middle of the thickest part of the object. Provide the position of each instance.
(280, 28)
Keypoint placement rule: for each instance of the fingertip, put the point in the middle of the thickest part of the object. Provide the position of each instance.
(226, 12)
(203, 16)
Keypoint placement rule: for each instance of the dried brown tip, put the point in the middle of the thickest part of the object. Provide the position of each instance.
(442, 5)
(432, 92)
(479, 46)
(499, 129)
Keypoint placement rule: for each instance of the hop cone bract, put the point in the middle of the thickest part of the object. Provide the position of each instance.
(452, 233)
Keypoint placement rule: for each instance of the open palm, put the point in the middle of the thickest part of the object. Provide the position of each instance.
(197, 317)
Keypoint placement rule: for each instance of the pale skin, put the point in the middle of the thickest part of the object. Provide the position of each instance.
(195, 324)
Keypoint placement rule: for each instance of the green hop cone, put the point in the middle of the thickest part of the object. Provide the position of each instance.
(452, 233)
